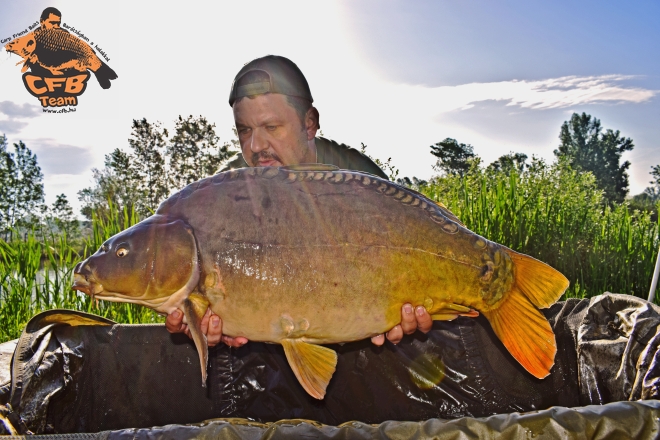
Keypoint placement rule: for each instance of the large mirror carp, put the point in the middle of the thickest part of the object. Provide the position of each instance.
(310, 255)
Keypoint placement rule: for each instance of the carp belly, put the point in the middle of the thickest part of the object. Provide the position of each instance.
(333, 294)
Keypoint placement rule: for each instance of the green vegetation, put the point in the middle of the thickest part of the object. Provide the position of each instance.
(559, 213)
(587, 148)
(156, 165)
(36, 275)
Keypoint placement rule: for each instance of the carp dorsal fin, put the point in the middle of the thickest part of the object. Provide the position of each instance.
(443, 209)
(312, 364)
(311, 167)
(194, 308)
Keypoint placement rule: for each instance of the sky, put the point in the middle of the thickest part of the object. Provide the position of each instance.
(398, 76)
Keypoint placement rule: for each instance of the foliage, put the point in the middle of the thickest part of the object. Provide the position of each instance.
(147, 165)
(649, 199)
(510, 162)
(59, 219)
(587, 148)
(21, 187)
(194, 151)
(387, 166)
(453, 158)
(156, 165)
(37, 275)
(557, 215)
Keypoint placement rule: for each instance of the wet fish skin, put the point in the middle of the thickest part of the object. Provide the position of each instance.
(306, 257)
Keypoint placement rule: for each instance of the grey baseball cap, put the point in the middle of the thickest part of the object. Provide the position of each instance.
(284, 78)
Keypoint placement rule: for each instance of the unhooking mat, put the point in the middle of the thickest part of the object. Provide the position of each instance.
(109, 378)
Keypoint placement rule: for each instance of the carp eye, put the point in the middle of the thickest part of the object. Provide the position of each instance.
(122, 252)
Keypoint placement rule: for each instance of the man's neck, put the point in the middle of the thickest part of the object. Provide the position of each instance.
(311, 156)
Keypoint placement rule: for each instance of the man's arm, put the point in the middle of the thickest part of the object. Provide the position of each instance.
(212, 327)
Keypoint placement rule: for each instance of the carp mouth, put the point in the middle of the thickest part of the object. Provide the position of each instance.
(84, 285)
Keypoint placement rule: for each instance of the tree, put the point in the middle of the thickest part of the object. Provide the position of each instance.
(648, 200)
(155, 165)
(61, 219)
(586, 147)
(510, 162)
(194, 151)
(117, 183)
(149, 142)
(655, 172)
(21, 187)
(453, 158)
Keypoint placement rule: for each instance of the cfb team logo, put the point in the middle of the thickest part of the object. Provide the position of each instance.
(56, 63)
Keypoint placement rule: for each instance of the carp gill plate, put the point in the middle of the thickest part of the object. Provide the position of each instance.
(309, 255)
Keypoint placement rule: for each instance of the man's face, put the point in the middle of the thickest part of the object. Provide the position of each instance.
(52, 22)
(271, 133)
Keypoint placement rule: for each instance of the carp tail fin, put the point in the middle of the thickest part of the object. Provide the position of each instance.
(525, 332)
(312, 364)
(539, 282)
(104, 74)
(194, 308)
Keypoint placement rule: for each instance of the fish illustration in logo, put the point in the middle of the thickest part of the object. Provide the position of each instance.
(56, 50)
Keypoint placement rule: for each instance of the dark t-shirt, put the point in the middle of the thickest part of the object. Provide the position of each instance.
(330, 152)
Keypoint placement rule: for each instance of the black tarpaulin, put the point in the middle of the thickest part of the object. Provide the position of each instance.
(80, 378)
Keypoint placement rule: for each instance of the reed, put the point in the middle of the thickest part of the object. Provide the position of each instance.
(558, 216)
(36, 275)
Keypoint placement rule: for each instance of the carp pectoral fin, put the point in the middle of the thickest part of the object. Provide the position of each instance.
(525, 332)
(449, 312)
(539, 282)
(312, 364)
(194, 308)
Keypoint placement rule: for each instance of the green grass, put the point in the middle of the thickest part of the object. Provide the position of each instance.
(36, 275)
(558, 216)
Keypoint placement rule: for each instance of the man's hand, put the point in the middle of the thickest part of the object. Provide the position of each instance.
(211, 327)
(411, 320)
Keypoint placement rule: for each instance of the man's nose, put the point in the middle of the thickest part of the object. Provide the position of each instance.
(257, 141)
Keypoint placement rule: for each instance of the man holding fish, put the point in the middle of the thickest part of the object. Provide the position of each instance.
(277, 126)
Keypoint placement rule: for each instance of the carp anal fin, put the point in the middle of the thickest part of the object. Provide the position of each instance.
(539, 282)
(449, 312)
(311, 167)
(194, 308)
(312, 364)
(525, 332)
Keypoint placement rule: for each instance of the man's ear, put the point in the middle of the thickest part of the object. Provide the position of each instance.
(312, 123)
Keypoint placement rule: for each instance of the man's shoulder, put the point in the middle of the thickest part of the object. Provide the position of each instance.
(332, 153)
(345, 157)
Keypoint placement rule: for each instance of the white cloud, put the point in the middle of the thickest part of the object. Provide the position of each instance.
(541, 94)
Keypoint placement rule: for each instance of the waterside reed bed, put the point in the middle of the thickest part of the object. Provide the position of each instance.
(557, 215)
(37, 274)
(552, 213)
